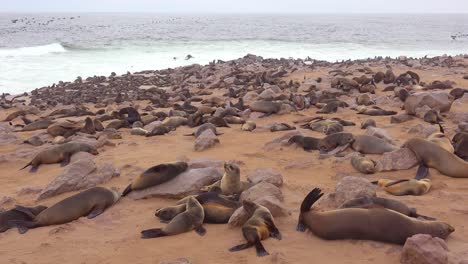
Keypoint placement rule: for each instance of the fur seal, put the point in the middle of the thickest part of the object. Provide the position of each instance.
(333, 141)
(230, 183)
(327, 126)
(401, 93)
(90, 203)
(174, 121)
(307, 143)
(88, 128)
(281, 127)
(378, 202)
(367, 88)
(202, 128)
(191, 219)
(460, 145)
(368, 123)
(371, 145)
(432, 117)
(266, 107)
(364, 99)
(249, 126)
(378, 77)
(156, 175)
(218, 121)
(234, 120)
(441, 140)
(365, 224)
(260, 226)
(217, 208)
(405, 187)
(374, 111)
(330, 107)
(39, 124)
(13, 214)
(363, 164)
(58, 154)
(434, 156)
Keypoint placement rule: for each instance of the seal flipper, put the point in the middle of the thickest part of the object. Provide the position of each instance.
(275, 233)
(25, 210)
(66, 159)
(95, 212)
(266, 115)
(29, 164)
(127, 190)
(261, 251)
(23, 226)
(152, 233)
(200, 230)
(426, 217)
(307, 203)
(240, 247)
(422, 172)
(395, 182)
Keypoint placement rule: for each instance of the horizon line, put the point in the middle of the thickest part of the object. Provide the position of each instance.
(234, 13)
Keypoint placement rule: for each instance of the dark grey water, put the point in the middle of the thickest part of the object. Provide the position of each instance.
(41, 49)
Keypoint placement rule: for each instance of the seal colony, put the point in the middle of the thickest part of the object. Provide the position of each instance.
(142, 121)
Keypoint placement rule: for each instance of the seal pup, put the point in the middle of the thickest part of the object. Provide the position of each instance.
(333, 141)
(368, 123)
(191, 219)
(202, 128)
(307, 143)
(281, 127)
(364, 99)
(363, 164)
(249, 126)
(58, 154)
(218, 208)
(460, 145)
(405, 187)
(14, 214)
(378, 202)
(434, 156)
(371, 145)
(230, 183)
(260, 226)
(374, 111)
(90, 203)
(365, 224)
(156, 175)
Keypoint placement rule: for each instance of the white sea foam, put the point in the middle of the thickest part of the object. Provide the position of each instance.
(33, 51)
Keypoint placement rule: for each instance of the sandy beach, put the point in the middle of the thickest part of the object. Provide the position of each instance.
(114, 236)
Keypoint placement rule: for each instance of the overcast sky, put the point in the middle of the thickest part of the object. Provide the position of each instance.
(238, 6)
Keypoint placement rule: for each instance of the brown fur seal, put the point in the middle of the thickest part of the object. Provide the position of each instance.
(460, 145)
(174, 121)
(434, 156)
(432, 117)
(218, 121)
(326, 126)
(307, 143)
(267, 107)
(374, 111)
(230, 183)
(371, 145)
(260, 226)
(65, 129)
(368, 88)
(333, 141)
(364, 99)
(90, 203)
(156, 175)
(39, 124)
(191, 219)
(405, 187)
(363, 164)
(365, 224)
(401, 93)
(441, 140)
(330, 107)
(202, 128)
(377, 202)
(234, 120)
(281, 127)
(378, 77)
(249, 126)
(13, 214)
(160, 130)
(58, 154)
(368, 123)
(217, 208)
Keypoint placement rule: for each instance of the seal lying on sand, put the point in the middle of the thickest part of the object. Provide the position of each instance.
(365, 224)
(14, 214)
(191, 219)
(90, 203)
(405, 187)
(156, 175)
(432, 155)
(58, 154)
(260, 226)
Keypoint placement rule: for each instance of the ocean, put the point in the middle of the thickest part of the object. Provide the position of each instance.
(40, 49)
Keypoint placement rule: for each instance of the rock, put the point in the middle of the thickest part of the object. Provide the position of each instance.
(147, 119)
(6, 134)
(265, 175)
(137, 131)
(421, 111)
(137, 124)
(58, 140)
(278, 142)
(463, 126)
(151, 126)
(460, 117)
(205, 163)
(188, 182)
(380, 133)
(250, 96)
(441, 101)
(206, 140)
(401, 118)
(401, 159)
(7, 200)
(29, 190)
(260, 190)
(35, 141)
(424, 249)
(81, 173)
(346, 189)
(240, 216)
(423, 130)
(286, 109)
(267, 95)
